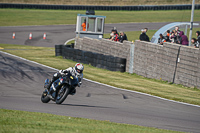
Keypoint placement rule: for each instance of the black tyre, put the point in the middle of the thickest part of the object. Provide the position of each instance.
(59, 46)
(63, 92)
(45, 98)
(58, 54)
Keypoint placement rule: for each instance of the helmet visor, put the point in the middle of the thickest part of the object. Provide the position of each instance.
(79, 71)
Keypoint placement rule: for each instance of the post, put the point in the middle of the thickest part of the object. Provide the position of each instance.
(191, 25)
(131, 58)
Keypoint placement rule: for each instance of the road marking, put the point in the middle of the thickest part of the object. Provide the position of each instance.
(105, 84)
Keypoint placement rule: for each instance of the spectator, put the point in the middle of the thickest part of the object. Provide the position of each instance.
(84, 25)
(122, 37)
(111, 36)
(167, 36)
(176, 36)
(172, 36)
(198, 36)
(195, 42)
(161, 40)
(146, 29)
(114, 37)
(177, 29)
(143, 36)
(115, 30)
(183, 40)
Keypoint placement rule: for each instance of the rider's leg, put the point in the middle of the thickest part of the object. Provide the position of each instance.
(54, 78)
(73, 92)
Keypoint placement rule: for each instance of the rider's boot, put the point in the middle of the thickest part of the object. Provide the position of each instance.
(49, 85)
(51, 81)
(73, 92)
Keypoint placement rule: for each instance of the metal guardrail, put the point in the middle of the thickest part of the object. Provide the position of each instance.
(108, 8)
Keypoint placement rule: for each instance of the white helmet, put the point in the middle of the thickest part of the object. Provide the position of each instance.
(79, 67)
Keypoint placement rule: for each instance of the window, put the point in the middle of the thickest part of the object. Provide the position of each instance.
(99, 25)
(91, 25)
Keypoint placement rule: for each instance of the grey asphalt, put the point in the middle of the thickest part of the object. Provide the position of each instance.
(59, 34)
(21, 85)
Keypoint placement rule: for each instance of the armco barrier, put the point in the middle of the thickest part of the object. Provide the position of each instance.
(97, 60)
(108, 8)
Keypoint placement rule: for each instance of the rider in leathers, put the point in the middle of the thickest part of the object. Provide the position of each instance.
(77, 71)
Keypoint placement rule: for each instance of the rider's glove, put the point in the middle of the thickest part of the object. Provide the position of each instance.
(79, 84)
(61, 72)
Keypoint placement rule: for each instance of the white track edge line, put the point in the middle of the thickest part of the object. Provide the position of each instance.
(106, 84)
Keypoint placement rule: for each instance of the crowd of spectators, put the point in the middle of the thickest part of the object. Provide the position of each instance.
(175, 36)
(178, 37)
(115, 36)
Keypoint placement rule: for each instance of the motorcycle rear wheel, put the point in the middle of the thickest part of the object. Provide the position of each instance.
(45, 98)
(63, 92)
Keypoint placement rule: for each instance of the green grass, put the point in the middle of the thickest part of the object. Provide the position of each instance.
(21, 17)
(23, 122)
(122, 80)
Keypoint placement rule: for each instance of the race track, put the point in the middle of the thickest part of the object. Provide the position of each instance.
(22, 84)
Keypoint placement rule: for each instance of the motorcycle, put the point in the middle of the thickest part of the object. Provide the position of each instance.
(59, 89)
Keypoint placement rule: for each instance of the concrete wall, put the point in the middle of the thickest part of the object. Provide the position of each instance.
(188, 70)
(169, 62)
(155, 61)
(105, 47)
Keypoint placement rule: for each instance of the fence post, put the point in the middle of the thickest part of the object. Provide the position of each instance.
(131, 58)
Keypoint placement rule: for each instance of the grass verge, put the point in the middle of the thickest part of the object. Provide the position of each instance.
(22, 121)
(128, 81)
(21, 17)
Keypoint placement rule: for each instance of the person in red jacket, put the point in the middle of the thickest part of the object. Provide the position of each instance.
(114, 36)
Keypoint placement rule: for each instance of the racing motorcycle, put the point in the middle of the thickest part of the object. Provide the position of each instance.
(59, 89)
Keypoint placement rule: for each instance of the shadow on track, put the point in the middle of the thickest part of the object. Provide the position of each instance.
(79, 105)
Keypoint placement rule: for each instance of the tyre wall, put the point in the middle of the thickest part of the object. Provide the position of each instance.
(95, 59)
(107, 8)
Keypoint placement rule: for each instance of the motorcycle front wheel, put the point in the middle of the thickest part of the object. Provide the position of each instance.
(62, 94)
(44, 97)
